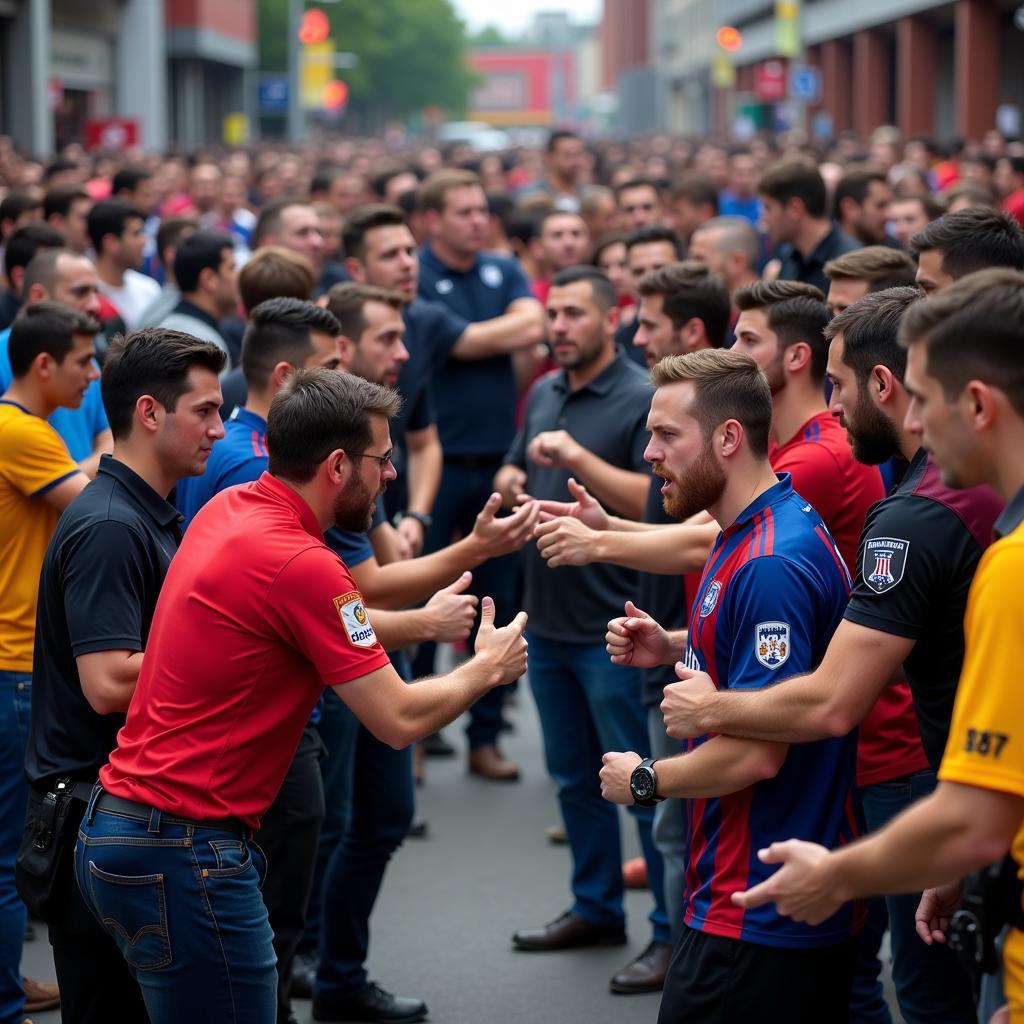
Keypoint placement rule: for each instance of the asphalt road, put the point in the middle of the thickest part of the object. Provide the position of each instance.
(451, 902)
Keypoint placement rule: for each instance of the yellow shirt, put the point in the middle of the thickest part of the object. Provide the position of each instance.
(33, 458)
(986, 738)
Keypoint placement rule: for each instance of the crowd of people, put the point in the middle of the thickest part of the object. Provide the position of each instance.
(729, 439)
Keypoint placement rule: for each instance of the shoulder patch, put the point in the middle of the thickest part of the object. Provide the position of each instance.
(354, 619)
(771, 643)
(883, 562)
(444, 286)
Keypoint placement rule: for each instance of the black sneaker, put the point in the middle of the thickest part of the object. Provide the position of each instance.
(435, 745)
(370, 1005)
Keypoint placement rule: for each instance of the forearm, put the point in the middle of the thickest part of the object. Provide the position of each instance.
(621, 490)
(518, 329)
(668, 550)
(431, 703)
(404, 583)
(718, 767)
(677, 650)
(90, 466)
(424, 477)
(404, 628)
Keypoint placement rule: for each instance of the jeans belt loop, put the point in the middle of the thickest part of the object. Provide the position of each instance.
(91, 808)
(154, 821)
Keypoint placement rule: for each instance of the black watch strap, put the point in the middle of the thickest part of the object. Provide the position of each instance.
(421, 517)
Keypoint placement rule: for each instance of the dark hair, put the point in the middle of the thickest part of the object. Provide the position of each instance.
(274, 272)
(879, 265)
(128, 179)
(319, 411)
(688, 290)
(346, 301)
(795, 312)
(269, 219)
(379, 182)
(855, 184)
(196, 253)
(1016, 163)
(653, 233)
(601, 288)
(154, 361)
(169, 233)
(502, 206)
(606, 241)
(278, 332)
(972, 330)
(698, 190)
(362, 220)
(16, 204)
(972, 239)
(59, 200)
(59, 166)
(323, 178)
(932, 208)
(729, 386)
(523, 226)
(26, 242)
(110, 217)
(795, 180)
(637, 183)
(870, 329)
(46, 327)
(555, 137)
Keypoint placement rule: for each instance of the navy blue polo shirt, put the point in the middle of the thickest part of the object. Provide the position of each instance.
(475, 399)
(608, 416)
(812, 269)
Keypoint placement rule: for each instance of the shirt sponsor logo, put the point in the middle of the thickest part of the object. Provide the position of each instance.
(771, 644)
(444, 286)
(690, 660)
(883, 562)
(354, 619)
(707, 606)
(491, 275)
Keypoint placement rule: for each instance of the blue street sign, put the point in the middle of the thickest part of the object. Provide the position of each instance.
(273, 94)
(804, 84)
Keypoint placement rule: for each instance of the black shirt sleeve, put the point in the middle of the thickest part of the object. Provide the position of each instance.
(104, 589)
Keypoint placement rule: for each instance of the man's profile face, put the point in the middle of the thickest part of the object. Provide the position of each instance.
(567, 159)
(299, 230)
(70, 378)
(647, 256)
(390, 260)
(756, 339)
(462, 224)
(845, 291)
(77, 285)
(379, 353)
(655, 333)
(187, 434)
(931, 277)
(368, 480)
(133, 243)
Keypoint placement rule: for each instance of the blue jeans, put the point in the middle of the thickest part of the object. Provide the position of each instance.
(371, 786)
(669, 828)
(930, 985)
(183, 904)
(587, 706)
(15, 709)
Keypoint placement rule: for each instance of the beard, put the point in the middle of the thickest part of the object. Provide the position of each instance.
(353, 509)
(696, 489)
(873, 436)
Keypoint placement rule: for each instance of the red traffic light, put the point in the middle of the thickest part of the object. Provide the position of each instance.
(314, 27)
(335, 95)
(729, 38)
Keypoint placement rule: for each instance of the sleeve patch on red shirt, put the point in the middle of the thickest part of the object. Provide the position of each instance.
(354, 619)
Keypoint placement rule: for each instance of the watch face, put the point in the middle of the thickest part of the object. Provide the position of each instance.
(643, 784)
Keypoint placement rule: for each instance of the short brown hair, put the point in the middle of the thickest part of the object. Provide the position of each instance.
(690, 290)
(275, 272)
(318, 411)
(347, 299)
(795, 179)
(879, 265)
(269, 219)
(729, 386)
(972, 330)
(433, 191)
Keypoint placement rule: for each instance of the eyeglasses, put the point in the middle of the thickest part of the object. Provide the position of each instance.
(381, 460)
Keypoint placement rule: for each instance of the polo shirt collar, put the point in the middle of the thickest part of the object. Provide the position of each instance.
(249, 419)
(431, 258)
(603, 383)
(282, 493)
(1012, 516)
(779, 492)
(191, 309)
(158, 509)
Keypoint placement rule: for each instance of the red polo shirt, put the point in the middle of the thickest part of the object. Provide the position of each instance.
(255, 617)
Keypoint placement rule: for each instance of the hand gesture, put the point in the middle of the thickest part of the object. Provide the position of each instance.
(412, 531)
(507, 534)
(683, 701)
(800, 889)
(616, 771)
(509, 481)
(453, 611)
(564, 541)
(934, 911)
(636, 639)
(505, 648)
(585, 507)
(553, 448)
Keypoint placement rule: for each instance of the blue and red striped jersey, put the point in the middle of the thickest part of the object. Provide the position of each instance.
(772, 593)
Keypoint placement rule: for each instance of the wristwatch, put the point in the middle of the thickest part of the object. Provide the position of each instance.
(643, 784)
(421, 517)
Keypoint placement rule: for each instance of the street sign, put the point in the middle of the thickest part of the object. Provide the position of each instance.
(804, 84)
(273, 94)
(770, 81)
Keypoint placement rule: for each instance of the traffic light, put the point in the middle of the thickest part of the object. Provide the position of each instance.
(314, 27)
(729, 38)
(335, 94)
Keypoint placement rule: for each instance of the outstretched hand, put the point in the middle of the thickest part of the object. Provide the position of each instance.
(638, 640)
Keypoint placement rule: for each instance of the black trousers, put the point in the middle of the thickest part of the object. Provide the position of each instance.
(96, 984)
(289, 835)
(713, 980)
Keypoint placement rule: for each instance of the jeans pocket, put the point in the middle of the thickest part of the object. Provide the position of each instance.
(232, 858)
(134, 909)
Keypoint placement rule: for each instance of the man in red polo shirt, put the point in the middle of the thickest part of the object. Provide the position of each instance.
(253, 621)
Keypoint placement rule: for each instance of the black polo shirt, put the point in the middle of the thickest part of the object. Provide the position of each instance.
(608, 416)
(918, 553)
(812, 269)
(101, 577)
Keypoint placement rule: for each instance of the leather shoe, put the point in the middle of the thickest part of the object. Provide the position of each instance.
(646, 973)
(570, 931)
(40, 995)
(488, 763)
(303, 975)
(371, 1005)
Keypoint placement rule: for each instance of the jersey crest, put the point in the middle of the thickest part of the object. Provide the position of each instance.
(883, 563)
(771, 644)
(355, 621)
(491, 275)
(707, 606)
